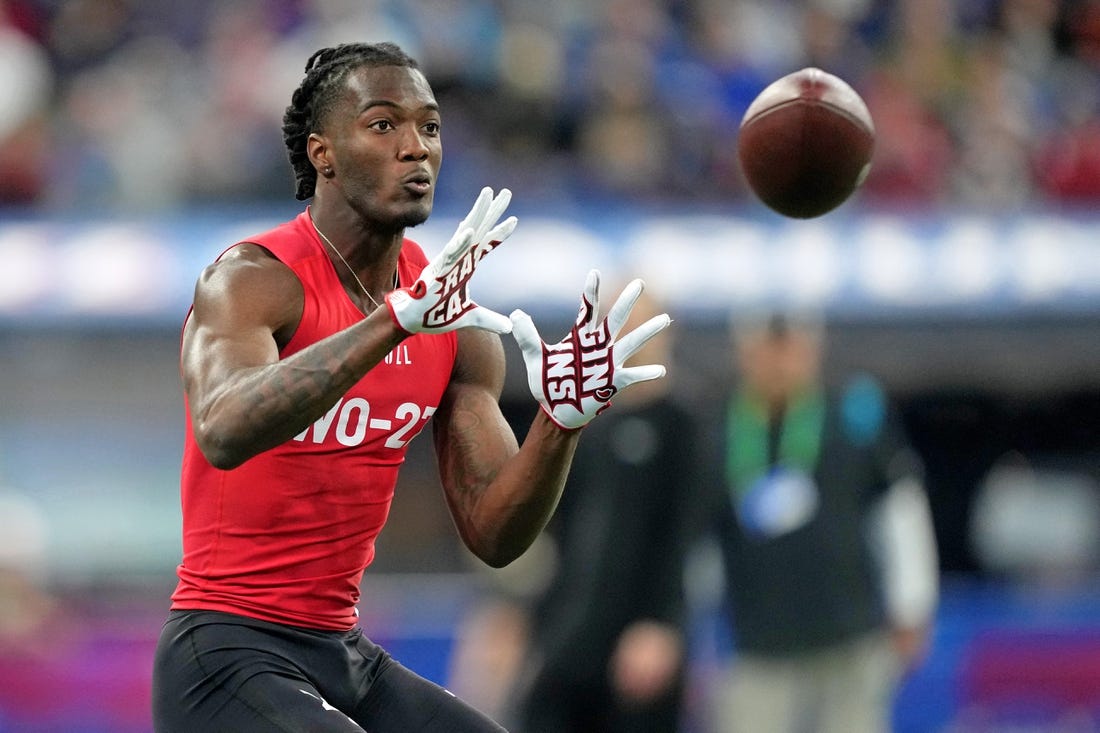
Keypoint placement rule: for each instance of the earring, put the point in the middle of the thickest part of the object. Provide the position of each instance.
(327, 172)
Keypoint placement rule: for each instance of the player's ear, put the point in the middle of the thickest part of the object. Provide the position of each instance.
(318, 152)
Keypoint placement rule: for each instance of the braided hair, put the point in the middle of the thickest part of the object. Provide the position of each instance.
(326, 71)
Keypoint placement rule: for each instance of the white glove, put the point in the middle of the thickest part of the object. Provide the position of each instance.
(575, 378)
(439, 300)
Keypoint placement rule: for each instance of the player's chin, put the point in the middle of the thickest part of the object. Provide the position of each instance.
(412, 213)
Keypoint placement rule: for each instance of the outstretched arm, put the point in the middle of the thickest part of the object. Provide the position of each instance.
(500, 494)
(243, 398)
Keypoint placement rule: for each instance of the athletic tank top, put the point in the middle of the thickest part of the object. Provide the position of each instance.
(286, 536)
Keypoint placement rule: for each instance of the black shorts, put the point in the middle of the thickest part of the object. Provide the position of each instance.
(222, 672)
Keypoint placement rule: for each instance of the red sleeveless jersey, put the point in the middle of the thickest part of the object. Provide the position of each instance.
(286, 536)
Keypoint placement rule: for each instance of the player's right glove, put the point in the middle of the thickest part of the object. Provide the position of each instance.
(575, 379)
(439, 300)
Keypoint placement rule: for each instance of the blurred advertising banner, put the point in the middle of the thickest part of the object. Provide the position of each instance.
(871, 265)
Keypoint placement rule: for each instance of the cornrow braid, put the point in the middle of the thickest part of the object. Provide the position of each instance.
(326, 71)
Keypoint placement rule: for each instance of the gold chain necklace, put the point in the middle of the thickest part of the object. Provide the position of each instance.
(350, 269)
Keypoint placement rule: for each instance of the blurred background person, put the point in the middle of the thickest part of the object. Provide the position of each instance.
(827, 541)
(607, 649)
(26, 86)
(27, 607)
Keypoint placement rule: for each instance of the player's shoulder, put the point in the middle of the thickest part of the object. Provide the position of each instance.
(248, 285)
(245, 262)
(249, 277)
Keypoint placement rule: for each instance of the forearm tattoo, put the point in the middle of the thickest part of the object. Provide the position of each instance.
(276, 402)
(468, 475)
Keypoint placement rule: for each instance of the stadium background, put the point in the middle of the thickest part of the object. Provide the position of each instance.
(138, 139)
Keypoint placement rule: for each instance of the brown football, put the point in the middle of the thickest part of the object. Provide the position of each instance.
(805, 143)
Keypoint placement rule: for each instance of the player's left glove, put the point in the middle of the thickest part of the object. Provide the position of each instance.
(439, 300)
(575, 379)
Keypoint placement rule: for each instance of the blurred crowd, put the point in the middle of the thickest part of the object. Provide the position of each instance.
(128, 105)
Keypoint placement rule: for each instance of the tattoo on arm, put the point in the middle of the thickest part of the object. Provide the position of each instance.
(275, 402)
(468, 476)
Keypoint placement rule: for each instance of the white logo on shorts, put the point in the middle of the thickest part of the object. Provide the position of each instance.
(324, 703)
